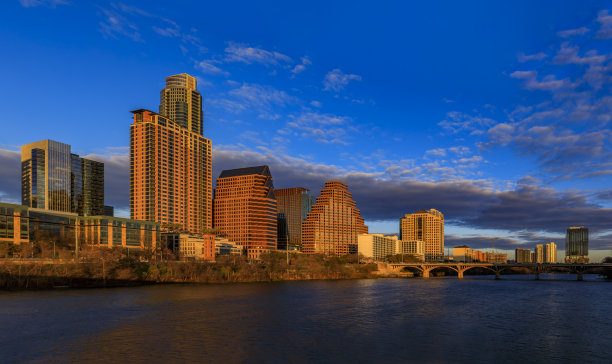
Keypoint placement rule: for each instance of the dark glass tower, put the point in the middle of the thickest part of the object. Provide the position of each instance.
(577, 245)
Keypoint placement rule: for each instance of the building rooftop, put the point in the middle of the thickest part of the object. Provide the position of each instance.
(261, 170)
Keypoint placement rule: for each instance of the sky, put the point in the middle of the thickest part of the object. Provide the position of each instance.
(497, 114)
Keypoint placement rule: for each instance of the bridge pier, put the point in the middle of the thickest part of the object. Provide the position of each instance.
(460, 274)
(579, 276)
(497, 274)
(537, 276)
(425, 273)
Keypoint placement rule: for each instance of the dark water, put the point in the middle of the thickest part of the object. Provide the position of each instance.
(514, 320)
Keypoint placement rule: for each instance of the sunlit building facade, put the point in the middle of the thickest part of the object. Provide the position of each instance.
(52, 178)
(577, 245)
(522, 255)
(293, 205)
(550, 253)
(416, 248)
(463, 253)
(427, 226)
(245, 210)
(539, 253)
(376, 246)
(170, 173)
(334, 223)
(181, 102)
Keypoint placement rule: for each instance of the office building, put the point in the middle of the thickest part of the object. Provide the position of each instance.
(522, 255)
(293, 204)
(225, 247)
(170, 173)
(200, 247)
(181, 102)
(334, 223)
(52, 178)
(577, 245)
(376, 246)
(416, 248)
(427, 226)
(463, 253)
(245, 209)
(550, 253)
(20, 224)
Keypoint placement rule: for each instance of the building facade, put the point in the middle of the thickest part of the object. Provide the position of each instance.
(538, 253)
(334, 223)
(225, 247)
(427, 226)
(577, 245)
(245, 209)
(293, 205)
(376, 246)
(522, 255)
(52, 178)
(170, 173)
(463, 253)
(200, 247)
(550, 253)
(181, 102)
(415, 248)
(20, 224)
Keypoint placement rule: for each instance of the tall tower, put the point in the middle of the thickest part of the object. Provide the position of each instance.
(427, 226)
(170, 173)
(293, 205)
(333, 226)
(181, 102)
(577, 245)
(245, 208)
(52, 178)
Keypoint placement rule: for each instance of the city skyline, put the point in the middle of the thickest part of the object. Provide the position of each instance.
(510, 154)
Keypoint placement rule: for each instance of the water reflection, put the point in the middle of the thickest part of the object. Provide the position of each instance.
(409, 320)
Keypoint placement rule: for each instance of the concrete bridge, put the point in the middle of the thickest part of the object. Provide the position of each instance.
(425, 268)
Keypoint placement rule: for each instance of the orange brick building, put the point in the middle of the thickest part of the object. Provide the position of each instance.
(334, 223)
(244, 208)
(170, 173)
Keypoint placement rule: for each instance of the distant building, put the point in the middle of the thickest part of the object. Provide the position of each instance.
(334, 223)
(463, 253)
(245, 209)
(20, 224)
(109, 210)
(416, 248)
(522, 255)
(191, 246)
(577, 245)
(479, 256)
(539, 253)
(52, 178)
(496, 258)
(224, 247)
(427, 226)
(550, 253)
(293, 204)
(376, 246)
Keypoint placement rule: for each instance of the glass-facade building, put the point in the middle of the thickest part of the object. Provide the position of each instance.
(52, 178)
(577, 245)
(293, 205)
(181, 102)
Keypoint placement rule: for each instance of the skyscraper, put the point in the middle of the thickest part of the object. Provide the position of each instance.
(427, 226)
(522, 255)
(244, 208)
(170, 173)
(539, 253)
(293, 205)
(53, 178)
(550, 252)
(577, 245)
(333, 226)
(181, 102)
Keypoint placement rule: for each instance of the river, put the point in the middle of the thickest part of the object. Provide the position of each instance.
(512, 320)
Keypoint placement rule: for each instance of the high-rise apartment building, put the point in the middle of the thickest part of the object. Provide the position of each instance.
(539, 253)
(577, 245)
(181, 102)
(293, 204)
(245, 208)
(334, 223)
(52, 178)
(170, 173)
(376, 246)
(427, 226)
(522, 255)
(550, 252)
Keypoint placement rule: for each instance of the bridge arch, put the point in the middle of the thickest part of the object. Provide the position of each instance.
(428, 269)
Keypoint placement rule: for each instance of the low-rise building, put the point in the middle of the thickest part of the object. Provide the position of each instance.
(415, 248)
(191, 246)
(463, 253)
(224, 247)
(376, 246)
(496, 258)
(479, 256)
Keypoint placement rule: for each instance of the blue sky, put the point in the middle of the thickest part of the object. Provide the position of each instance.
(496, 113)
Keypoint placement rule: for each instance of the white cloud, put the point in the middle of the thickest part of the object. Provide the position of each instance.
(316, 103)
(301, 67)
(522, 57)
(236, 52)
(337, 80)
(571, 32)
(47, 3)
(208, 67)
(261, 96)
(456, 122)
(548, 83)
(115, 24)
(605, 32)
